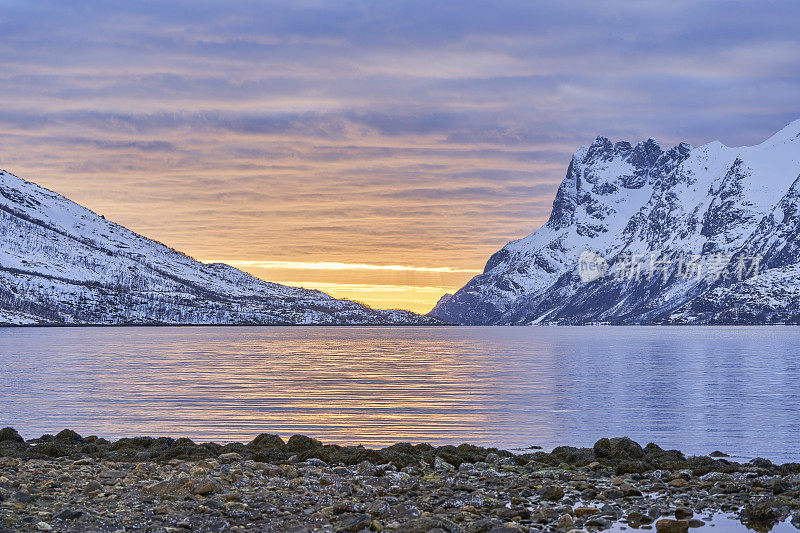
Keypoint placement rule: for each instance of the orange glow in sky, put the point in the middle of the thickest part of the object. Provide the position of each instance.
(377, 151)
(381, 286)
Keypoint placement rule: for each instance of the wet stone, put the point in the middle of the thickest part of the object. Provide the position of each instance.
(353, 522)
(69, 514)
(551, 492)
(75, 483)
(667, 525)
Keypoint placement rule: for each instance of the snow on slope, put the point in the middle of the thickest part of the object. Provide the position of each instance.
(62, 263)
(771, 298)
(618, 200)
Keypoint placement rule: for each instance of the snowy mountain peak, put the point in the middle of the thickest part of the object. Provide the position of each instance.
(619, 201)
(789, 133)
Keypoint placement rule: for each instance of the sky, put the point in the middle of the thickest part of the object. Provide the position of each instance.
(379, 151)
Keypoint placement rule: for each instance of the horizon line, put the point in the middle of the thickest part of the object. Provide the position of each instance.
(332, 265)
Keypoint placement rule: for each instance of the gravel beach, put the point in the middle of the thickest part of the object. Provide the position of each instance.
(71, 483)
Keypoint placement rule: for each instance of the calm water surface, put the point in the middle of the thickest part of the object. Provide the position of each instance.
(696, 389)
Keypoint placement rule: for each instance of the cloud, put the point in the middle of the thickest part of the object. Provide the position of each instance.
(362, 132)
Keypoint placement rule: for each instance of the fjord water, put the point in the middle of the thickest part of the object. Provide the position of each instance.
(697, 389)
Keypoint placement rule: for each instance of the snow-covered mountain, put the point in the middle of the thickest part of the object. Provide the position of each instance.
(60, 263)
(684, 236)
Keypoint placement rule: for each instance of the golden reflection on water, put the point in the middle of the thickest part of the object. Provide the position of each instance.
(354, 385)
(689, 388)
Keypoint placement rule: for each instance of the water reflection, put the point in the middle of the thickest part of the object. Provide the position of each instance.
(697, 389)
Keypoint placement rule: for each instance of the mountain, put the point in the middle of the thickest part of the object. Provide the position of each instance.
(639, 235)
(60, 263)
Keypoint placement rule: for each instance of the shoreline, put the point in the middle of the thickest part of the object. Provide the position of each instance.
(68, 482)
(409, 325)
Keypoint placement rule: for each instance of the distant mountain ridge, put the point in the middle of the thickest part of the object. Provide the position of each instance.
(725, 209)
(61, 263)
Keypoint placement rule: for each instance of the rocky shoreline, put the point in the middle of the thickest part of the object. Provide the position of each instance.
(71, 483)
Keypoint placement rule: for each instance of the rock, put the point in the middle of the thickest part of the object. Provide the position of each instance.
(267, 441)
(551, 492)
(67, 436)
(566, 521)
(92, 488)
(667, 525)
(507, 514)
(109, 477)
(598, 522)
(301, 443)
(618, 448)
(694, 522)
(10, 435)
(545, 515)
(425, 524)
(173, 487)
(313, 461)
(507, 461)
(44, 526)
(198, 471)
(611, 511)
(683, 512)
(483, 525)
(69, 514)
(365, 468)
(760, 462)
(441, 464)
(227, 458)
(581, 512)
(678, 483)
(717, 453)
(762, 512)
(629, 490)
(353, 522)
(23, 497)
(206, 486)
(377, 508)
(715, 477)
(636, 518)
(573, 456)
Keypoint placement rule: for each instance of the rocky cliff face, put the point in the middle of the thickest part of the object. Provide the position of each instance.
(687, 235)
(63, 264)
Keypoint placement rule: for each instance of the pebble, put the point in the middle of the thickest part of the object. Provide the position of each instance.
(551, 492)
(176, 485)
(667, 525)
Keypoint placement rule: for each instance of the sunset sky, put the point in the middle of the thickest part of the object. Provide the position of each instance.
(376, 150)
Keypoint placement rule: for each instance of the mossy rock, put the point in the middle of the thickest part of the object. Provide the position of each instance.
(267, 441)
(619, 449)
(10, 435)
(301, 443)
(67, 436)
